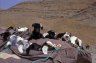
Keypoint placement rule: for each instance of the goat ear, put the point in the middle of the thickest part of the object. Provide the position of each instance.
(18, 27)
(32, 25)
(41, 26)
(70, 34)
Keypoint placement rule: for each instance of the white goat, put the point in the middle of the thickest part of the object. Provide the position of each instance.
(22, 29)
(18, 41)
(72, 39)
(46, 47)
(76, 41)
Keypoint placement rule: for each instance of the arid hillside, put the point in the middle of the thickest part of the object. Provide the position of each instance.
(75, 16)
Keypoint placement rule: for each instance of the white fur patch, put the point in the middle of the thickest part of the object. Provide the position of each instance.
(73, 39)
(45, 49)
(20, 43)
(22, 29)
(45, 34)
(66, 35)
(8, 43)
(51, 44)
(20, 48)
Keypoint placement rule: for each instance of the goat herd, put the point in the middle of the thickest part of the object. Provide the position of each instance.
(14, 37)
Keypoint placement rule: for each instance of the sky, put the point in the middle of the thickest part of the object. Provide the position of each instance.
(7, 4)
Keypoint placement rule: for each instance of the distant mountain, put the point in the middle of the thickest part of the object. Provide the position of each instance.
(82, 10)
(87, 15)
(7, 4)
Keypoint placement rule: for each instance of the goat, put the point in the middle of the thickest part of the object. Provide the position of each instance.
(76, 41)
(33, 46)
(9, 28)
(5, 36)
(9, 31)
(48, 45)
(36, 32)
(64, 36)
(50, 34)
(73, 40)
(22, 29)
(18, 41)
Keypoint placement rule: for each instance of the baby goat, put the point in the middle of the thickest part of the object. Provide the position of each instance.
(19, 42)
(75, 41)
(50, 34)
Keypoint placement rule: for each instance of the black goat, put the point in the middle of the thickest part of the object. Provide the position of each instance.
(7, 33)
(36, 32)
(44, 47)
(50, 34)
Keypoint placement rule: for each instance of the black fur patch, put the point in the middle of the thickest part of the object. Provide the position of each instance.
(77, 42)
